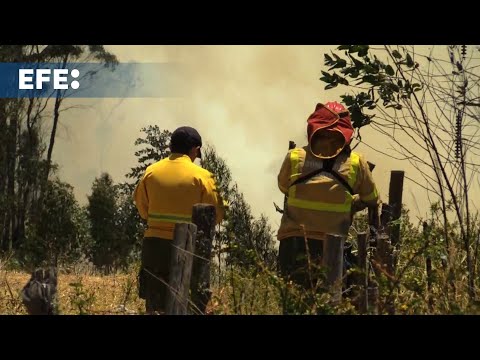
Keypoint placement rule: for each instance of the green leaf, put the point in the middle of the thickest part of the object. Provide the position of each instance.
(394, 87)
(353, 49)
(369, 104)
(331, 86)
(328, 59)
(407, 85)
(396, 54)
(363, 51)
(326, 77)
(370, 79)
(341, 63)
(358, 64)
(347, 99)
(369, 69)
(417, 87)
(389, 70)
(343, 81)
(344, 47)
(410, 62)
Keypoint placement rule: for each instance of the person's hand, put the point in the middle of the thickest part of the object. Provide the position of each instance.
(357, 204)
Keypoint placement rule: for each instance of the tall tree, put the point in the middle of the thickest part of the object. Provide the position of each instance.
(25, 156)
(61, 234)
(248, 240)
(129, 223)
(102, 210)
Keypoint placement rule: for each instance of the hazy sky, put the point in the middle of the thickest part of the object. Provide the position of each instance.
(247, 101)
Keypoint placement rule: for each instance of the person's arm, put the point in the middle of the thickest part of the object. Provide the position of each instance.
(367, 191)
(140, 198)
(284, 174)
(210, 195)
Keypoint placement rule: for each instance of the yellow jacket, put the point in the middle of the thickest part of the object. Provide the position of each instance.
(322, 205)
(168, 191)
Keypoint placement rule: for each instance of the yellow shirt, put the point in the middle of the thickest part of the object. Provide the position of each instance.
(169, 189)
(322, 205)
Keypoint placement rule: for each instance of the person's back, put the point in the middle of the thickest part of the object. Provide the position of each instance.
(165, 196)
(168, 192)
(323, 183)
(322, 205)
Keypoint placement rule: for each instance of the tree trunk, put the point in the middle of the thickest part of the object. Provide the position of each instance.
(12, 135)
(3, 169)
(56, 116)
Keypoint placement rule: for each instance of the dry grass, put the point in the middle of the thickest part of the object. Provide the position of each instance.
(87, 294)
(245, 295)
(118, 294)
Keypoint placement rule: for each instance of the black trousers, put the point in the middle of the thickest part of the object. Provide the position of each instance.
(154, 272)
(326, 262)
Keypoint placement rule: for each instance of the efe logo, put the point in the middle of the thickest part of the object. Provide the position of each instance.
(60, 79)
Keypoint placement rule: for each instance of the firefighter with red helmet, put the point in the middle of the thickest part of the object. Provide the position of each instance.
(324, 182)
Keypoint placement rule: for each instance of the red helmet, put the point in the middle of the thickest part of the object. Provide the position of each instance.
(334, 119)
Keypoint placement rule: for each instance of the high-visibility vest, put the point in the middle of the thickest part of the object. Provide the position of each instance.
(345, 207)
(322, 204)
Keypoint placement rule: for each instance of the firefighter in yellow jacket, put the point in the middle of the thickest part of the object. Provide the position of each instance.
(323, 183)
(164, 196)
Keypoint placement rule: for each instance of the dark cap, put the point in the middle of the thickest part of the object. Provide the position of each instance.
(184, 138)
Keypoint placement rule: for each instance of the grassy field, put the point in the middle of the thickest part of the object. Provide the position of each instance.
(238, 292)
(78, 294)
(117, 295)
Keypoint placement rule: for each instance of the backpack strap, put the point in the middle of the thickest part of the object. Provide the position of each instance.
(327, 167)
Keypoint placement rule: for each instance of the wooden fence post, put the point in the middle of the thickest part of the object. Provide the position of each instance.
(203, 216)
(362, 239)
(428, 265)
(373, 215)
(375, 228)
(382, 253)
(395, 195)
(384, 246)
(183, 247)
